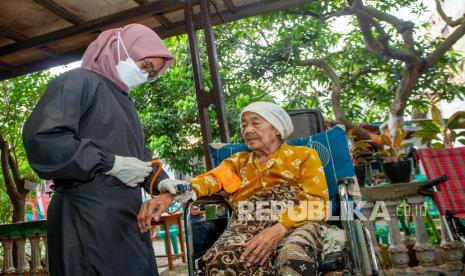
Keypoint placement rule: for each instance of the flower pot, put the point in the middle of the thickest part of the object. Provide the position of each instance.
(361, 173)
(398, 172)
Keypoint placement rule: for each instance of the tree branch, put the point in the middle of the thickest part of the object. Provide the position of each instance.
(19, 182)
(366, 17)
(9, 184)
(442, 48)
(322, 17)
(337, 87)
(373, 45)
(447, 19)
(404, 28)
(324, 66)
(354, 77)
(336, 84)
(264, 37)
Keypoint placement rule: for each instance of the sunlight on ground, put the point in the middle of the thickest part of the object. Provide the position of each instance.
(179, 269)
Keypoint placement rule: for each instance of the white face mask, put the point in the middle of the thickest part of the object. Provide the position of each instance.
(128, 71)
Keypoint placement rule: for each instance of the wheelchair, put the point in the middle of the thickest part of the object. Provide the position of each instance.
(358, 257)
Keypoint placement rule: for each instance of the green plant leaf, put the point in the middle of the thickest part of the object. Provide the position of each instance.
(457, 120)
(436, 116)
(437, 145)
(425, 140)
(460, 134)
(429, 126)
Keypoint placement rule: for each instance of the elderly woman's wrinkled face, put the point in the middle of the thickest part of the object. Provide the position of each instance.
(258, 134)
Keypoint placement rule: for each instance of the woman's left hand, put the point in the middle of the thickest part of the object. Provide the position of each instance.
(260, 247)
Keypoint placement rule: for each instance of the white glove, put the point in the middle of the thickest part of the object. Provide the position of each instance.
(185, 196)
(130, 170)
(169, 186)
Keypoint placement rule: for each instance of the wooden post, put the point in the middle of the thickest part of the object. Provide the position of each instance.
(201, 94)
(217, 92)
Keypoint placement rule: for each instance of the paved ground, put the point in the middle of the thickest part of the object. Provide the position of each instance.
(180, 268)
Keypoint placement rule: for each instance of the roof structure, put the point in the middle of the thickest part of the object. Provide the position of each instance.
(39, 34)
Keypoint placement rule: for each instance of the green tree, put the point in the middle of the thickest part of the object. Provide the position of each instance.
(19, 96)
(298, 58)
(168, 112)
(377, 65)
(168, 107)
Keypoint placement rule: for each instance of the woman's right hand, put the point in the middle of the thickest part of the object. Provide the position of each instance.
(260, 247)
(130, 170)
(153, 209)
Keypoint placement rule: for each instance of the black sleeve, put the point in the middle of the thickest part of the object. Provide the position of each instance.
(51, 137)
(161, 176)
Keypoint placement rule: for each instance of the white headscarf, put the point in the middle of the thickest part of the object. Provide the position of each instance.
(273, 114)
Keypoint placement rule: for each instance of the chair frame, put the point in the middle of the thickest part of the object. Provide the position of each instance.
(350, 227)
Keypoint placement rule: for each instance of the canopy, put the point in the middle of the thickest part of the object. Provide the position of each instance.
(39, 34)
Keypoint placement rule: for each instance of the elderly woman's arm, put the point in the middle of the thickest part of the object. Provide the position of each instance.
(223, 177)
(313, 196)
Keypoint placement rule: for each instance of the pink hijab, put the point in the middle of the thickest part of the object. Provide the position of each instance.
(140, 41)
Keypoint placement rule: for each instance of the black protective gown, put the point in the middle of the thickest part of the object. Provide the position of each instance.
(72, 136)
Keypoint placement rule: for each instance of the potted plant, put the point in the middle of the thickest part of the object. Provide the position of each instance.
(438, 133)
(361, 154)
(396, 167)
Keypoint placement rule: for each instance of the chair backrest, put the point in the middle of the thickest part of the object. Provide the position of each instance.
(306, 122)
(451, 162)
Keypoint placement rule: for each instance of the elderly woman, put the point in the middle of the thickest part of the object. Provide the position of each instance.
(272, 172)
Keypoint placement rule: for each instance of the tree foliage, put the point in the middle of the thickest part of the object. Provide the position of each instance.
(19, 96)
(301, 58)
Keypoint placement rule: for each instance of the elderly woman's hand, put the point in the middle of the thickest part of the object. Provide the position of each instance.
(260, 247)
(153, 209)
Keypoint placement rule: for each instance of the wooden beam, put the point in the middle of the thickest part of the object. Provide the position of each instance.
(48, 52)
(165, 22)
(263, 6)
(230, 5)
(19, 37)
(151, 8)
(141, 2)
(217, 91)
(256, 8)
(201, 94)
(6, 66)
(5, 32)
(43, 64)
(164, 6)
(60, 11)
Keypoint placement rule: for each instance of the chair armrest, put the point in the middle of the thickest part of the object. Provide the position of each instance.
(214, 199)
(345, 181)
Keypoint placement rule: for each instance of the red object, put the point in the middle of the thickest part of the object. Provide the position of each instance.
(45, 201)
(451, 162)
